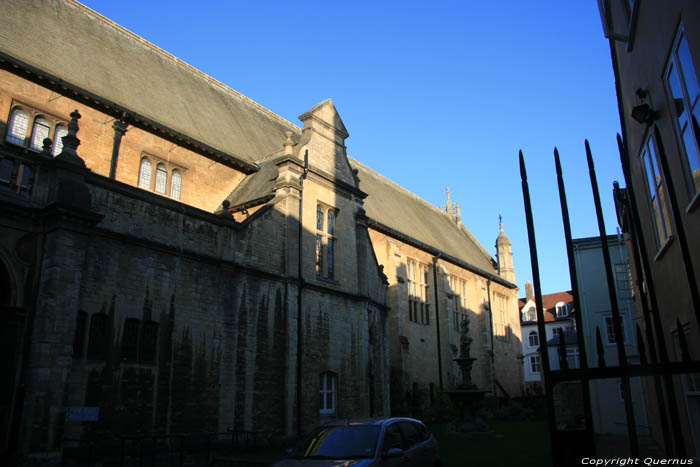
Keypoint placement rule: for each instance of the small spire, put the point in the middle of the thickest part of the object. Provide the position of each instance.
(288, 143)
(448, 206)
(500, 221)
(71, 142)
(458, 212)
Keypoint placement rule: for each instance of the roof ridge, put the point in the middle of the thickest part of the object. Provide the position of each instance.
(172, 57)
(460, 227)
(397, 186)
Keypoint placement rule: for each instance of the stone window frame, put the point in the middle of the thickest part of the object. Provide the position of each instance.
(168, 168)
(141, 345)
(326, 242)
(327, 387)
(418, 277)
(57, 127)
(535, 364)
(500, 313)
(98, 337)
(458, 288)
(687, 132)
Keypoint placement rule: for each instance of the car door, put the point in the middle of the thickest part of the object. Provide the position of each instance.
(393, 439)
(416, 449)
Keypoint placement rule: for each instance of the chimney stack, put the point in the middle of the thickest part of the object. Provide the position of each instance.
(528, 291)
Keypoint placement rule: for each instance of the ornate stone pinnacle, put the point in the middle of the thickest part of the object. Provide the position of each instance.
(71, 142)
(46, 150)
(288, 143)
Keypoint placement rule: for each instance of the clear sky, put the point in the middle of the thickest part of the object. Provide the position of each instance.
(434, 95)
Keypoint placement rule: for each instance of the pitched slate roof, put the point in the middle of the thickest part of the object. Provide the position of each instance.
(400, 210)
(94, 54)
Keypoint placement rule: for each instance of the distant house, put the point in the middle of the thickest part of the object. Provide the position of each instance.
(559, 319)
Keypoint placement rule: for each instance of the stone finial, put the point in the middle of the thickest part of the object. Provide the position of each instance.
(71, 142)
(46, 150)
(458, 212)
(288, 143)
(448, 204)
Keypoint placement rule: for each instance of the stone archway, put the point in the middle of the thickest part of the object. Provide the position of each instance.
(12, 329)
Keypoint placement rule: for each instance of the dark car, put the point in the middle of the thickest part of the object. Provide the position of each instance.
(384, 442)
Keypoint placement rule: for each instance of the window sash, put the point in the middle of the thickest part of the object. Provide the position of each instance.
(161, 179)
(175, 184)
(59, 133)
(684, 94)
(145, 171)
(18, 126)
(40, 131)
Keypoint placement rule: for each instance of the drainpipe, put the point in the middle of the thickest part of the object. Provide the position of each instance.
(299, 290)
(119, 130)
(493, 356)
(437, 319)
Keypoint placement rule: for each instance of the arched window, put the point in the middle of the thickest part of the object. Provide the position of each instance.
(161, 179)
(175, 184)
(59, 133)
(17, 128)
(40, 131)
(145, 174)
(533, 339)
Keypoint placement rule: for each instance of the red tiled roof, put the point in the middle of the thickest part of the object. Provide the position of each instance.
(549, 302)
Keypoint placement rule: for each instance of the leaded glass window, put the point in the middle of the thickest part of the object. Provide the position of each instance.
(59, 133)
(40, 131)
(17, 128)
(161, 179)
(145, 174)
(175, 184)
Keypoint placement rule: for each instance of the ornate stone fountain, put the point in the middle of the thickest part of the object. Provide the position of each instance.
(467, 396)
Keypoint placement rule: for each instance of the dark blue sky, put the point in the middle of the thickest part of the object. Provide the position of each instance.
(433, 95)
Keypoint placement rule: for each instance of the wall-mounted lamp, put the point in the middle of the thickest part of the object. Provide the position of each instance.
(643, 113)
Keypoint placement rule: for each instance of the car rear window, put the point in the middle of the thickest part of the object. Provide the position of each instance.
(339, 442)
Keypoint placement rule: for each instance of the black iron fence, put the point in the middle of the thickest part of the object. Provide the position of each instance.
(569, 446)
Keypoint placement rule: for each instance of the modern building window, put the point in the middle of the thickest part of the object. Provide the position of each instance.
(327, 393)
(530, 314)
(17, 128)
(325, 241)
(175, 184)
(658, 203)
(572, 357)
(533, 339)
(22, 118)
(418, 306)
(682, 88)
(562, 310)
(145, 174)
(610, 329)
(535, 364)
(59, 133)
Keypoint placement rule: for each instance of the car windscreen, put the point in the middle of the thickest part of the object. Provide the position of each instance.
(339, 442)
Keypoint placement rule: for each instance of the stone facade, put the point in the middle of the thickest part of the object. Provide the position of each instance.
(231, 300)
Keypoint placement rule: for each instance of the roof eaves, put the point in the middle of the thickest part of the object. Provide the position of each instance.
(439, 253)
(58, 85)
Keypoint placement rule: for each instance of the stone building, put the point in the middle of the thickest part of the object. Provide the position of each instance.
(655, 49)
(182, 259)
